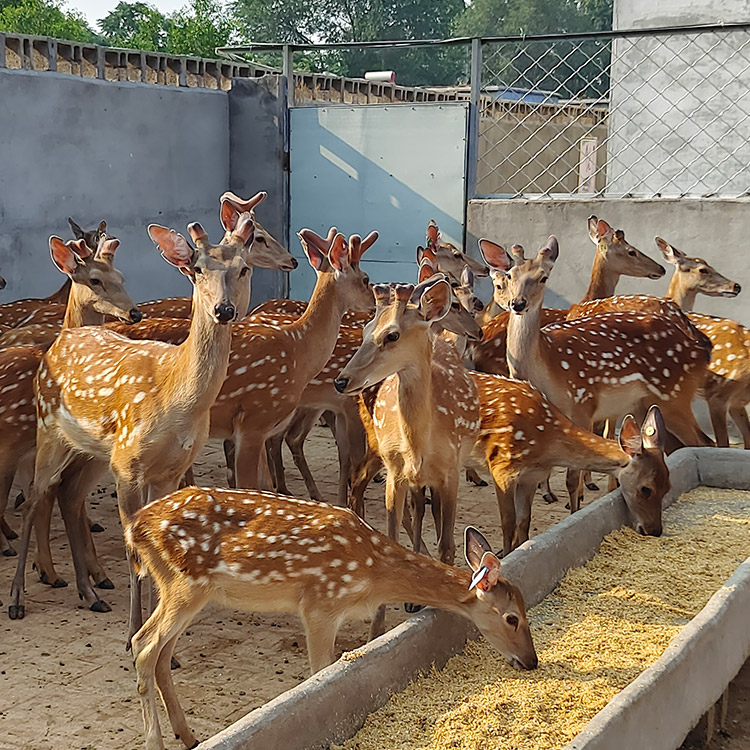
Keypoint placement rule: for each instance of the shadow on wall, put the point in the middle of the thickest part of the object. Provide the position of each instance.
(386, 168)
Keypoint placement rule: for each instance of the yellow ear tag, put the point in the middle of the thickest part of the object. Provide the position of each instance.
(650, 431)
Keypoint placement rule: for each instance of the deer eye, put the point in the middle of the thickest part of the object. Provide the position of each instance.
(646, 491)
(456, 254)
(393, 336)
(512, 620)
(631, 253)
(198, 270)
(543, 280)
(96, 282)
(455, 305)
(704, 271)
(244, 271)
(366, 280)
(261, 239)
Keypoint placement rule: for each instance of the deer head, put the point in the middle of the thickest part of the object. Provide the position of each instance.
(498, 260)
(695, 275)
(524, 279)
(219, 273)
(446, 257)
(264, 251)
(334, 259)
(90, 237)
(622, 258)
(498, 610)
(393, 339)
(460, 320)
(645, 480)
(98, 284)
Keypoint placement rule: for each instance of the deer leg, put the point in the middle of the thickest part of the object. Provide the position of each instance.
(525, 490)
(169, 695)
(43, 562)
(249, 450)
(7, 471)
(172, 615)
(739, 416)
(504, 477)
(717, 409)
(473, 477)
(296, 434)
(229, 454)
(320, 632)
(276, 463)
(575, 488)
(547, 494)
(680, 421)
(355, 440)
(447, 496)
(362, 473)
(395, 496)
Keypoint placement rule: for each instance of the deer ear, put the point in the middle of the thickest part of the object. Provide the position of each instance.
(77, 231)
(63, 255)
(338, 255)
(494, 255)
(593, 226)
(550, 251)
(435, 302)
(426, 270)
(630, 436)
(603, 230)
(475, 546)
(316, 258)
(102, 228)
(173, 246)
(671, 254)
(654, 430)
(228, 214)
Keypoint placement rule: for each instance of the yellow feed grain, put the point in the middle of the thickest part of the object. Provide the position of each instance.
(599, 629)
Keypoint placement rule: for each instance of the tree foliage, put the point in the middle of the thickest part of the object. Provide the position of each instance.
(44, 18)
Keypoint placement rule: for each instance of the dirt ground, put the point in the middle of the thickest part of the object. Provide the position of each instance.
(67, 682)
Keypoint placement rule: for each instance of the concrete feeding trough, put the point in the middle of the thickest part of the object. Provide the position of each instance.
(657, 710)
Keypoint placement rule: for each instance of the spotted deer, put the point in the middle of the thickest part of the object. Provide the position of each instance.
(321, 395)
(270, 553)
(265, 251)
(446, 257)
(727, 384)
(17, 313)
(97, 289)
(523, 436)
(426, 413)
(595, 369)
(143, 407)
(614, 257)
(296, 307)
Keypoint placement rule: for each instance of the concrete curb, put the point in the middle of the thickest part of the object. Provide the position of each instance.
(332, 705)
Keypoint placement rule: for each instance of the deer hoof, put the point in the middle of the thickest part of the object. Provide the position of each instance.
(567, 506)
(96, 528)
(412, 608)
(593, 486)
(197, 742)
(174, 664)
(16, 611)
(549, 498)
(10, 552)
(100, 606)
(58, 583)
(20, 500)
(104, 584)
(10, 534)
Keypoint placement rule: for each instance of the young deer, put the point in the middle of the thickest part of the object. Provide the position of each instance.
(16, 313)
(523, 436)
(262, 552)
(615, 257)
(141, 406)
(96, 290)
(446, 257)
(426, 414)
(727, 384)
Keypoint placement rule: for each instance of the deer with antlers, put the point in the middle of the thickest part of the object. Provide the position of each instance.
(142, 407)
(96, 290)
(426, 413)
(596, 368)
(262, 552)
(727, 384)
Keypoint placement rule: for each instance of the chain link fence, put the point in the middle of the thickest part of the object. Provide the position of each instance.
(637, 114)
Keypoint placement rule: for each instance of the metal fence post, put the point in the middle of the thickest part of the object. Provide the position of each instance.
(472, 151)
(287, 91)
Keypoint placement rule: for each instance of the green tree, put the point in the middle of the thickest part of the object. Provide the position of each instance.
(199, 28)
(306, 21)
(44, 18)
(136, 26)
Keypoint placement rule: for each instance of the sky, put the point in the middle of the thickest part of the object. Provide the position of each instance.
(96, 9)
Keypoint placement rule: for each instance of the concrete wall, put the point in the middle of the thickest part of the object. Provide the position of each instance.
(678, 111)
(131, 154)
(713, 229)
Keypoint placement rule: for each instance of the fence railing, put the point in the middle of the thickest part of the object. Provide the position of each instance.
(641, 113)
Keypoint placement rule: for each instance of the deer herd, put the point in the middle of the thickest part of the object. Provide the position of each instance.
(419, 380)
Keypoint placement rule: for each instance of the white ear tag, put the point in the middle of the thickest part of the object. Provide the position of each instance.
(650, 431)
(478, 576)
